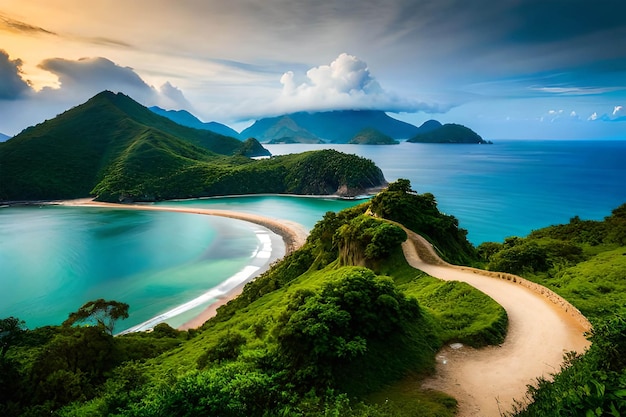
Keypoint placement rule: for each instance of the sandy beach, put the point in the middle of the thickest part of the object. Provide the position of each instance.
(293, 234)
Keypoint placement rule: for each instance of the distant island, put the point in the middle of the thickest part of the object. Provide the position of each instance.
(114, 149)
(434, 132)
(340, 126)
(371, 136)
(4, 137)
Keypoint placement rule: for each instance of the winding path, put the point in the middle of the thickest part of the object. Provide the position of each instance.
(542, 327)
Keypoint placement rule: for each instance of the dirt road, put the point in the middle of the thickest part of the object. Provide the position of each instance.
(487, 381)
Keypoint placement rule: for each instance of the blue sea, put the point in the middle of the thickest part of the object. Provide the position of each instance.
(53, 259)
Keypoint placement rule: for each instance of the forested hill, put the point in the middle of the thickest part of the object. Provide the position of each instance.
(448, 133)
(118, 150)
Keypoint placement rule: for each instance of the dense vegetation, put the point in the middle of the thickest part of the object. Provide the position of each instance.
(448, 133)
(114, 148)
(419, 213)
(333, 329)
(584, 261)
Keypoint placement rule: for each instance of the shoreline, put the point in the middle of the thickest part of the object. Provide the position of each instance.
(293, 235)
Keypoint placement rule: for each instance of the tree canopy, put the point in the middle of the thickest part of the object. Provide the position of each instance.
(101, 312)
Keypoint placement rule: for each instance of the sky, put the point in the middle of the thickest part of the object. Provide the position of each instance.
(508, 69)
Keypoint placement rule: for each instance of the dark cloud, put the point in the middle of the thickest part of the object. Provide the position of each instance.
(79, 80)
(12, 86)
(106, 41)
(12, 25)
(88, 76)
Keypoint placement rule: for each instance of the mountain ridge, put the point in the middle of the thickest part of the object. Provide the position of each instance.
(185, 118)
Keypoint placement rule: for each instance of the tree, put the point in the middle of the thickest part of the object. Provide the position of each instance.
(104, 313)
(10, 330)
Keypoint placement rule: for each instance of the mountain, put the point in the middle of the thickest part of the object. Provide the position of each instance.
(448, 133)
(286, 130)
(370, 136)
(115, 149)
(4, 137)
(183, 117)
(332, 126)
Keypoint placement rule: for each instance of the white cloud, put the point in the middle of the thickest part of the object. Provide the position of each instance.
(619, 111)
(594, 116)
(346, 83)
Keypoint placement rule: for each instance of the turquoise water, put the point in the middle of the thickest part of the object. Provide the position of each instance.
(53, 259)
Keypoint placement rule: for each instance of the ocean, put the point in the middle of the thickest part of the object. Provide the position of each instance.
(53, 259)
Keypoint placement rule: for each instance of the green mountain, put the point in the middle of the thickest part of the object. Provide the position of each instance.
(333, 126)
(183, 117)
(371, 136)
(448, 133)
(115, 149)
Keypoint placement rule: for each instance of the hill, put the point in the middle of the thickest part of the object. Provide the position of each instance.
(115, 149)
(370, 136)
(4, 137)
(429, 126)
(334, 126)
(448, 133)
(183, 117)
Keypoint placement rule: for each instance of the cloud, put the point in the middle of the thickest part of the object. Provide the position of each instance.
(12, 85)
(92, 75)
(78, 81)
(346, 83)
(16, 26)
(172, 97)
(618, 115)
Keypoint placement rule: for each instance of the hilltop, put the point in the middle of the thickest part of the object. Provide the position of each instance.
(115, 149)
(183, 117)
(434, 132)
